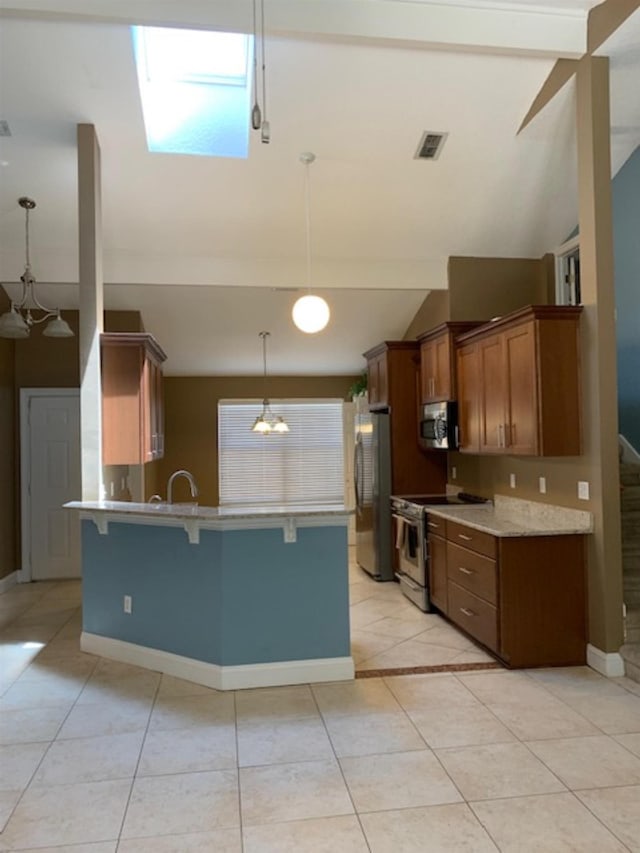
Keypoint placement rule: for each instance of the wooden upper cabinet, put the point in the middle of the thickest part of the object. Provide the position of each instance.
(132, 398)
(392, 370)
(378, 380)
(393, 386)
(520, 384)
(437, 361)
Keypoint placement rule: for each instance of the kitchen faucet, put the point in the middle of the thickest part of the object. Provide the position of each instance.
(182, 473)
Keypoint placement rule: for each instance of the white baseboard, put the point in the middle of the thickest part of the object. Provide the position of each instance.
(610, 664)
(8, 581)
(629, 454)
(220, 677)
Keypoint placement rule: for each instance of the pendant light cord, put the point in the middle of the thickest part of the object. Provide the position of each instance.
(26, 239)
(264, 81)
(263, 335)
(307, 192)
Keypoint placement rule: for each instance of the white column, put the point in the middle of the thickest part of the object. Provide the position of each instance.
(91, 309)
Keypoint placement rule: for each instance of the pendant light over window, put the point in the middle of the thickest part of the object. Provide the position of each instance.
(17, 322)
(310, 313)
(267, 422)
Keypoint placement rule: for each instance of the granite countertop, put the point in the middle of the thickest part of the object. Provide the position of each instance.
(508, 516)
(207, 513)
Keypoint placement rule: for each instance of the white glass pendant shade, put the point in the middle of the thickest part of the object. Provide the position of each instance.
(58, 328)
(280, 425)
(260, 425)
(311, 314)
(12, 325)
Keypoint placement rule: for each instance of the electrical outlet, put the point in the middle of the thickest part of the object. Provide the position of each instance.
(542, 485)
(127, 604)
(583, 490)
(454, 472)
(512, 480)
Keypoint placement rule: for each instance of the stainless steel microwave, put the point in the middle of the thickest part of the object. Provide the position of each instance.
(439, 426)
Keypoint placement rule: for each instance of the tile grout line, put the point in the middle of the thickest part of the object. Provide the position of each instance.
(337, 760)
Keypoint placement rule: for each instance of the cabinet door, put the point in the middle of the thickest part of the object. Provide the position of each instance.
(468, 398)
(492, 395)
(427, 371)
(521, 386)
(435, 369)
(442, 359)
(154, 411)
(438, 572)
(378, 381)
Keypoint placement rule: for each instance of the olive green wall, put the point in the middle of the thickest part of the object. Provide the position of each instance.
(482, 288)
(191, 419)
(433, 311)
(8, 544)
(37, 362)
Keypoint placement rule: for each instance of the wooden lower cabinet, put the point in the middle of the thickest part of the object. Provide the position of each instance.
(438, 592)
(523, 598)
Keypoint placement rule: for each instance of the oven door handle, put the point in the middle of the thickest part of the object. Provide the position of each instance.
(400, 530)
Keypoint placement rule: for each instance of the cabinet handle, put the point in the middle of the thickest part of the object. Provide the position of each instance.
(466, 611)
(433, 524)
(463, 536)
(465, 571)
(512, 434)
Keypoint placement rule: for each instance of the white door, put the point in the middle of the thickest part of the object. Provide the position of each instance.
(52, 474)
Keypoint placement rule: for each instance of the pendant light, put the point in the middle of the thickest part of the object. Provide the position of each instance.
(310, 313)
(17, 322)
(267, 422)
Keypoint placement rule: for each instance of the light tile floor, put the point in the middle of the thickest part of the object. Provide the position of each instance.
(98, 757)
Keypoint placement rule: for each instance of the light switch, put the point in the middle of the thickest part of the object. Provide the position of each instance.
(542, 484)
(512, 480)
(454, 472)
(583, 490)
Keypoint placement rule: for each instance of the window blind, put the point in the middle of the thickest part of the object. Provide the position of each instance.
(303, 466)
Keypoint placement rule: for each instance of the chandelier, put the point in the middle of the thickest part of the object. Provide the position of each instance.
(310, 313)
(267, 422)
(17, 322)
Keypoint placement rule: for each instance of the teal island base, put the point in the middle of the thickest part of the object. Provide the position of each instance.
(265, 604)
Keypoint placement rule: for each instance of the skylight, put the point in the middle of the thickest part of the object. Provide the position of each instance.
(195, 88)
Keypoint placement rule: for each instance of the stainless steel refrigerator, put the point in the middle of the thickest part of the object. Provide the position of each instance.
(372, 481)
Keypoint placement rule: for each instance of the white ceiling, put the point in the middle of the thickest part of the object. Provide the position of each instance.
(204, 246)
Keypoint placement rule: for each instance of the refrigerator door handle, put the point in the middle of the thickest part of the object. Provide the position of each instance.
(357, 453)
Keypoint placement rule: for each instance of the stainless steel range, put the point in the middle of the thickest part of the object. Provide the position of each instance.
(411, 540)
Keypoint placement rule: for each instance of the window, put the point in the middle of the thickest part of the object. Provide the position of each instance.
(195, 88)
(303, 466)
(568, 273)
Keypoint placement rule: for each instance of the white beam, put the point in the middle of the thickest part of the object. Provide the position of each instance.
(553, 31)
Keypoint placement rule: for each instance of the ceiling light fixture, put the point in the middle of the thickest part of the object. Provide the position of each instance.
(259, 116)
(17, 322)
(310, 313)
(267, 422)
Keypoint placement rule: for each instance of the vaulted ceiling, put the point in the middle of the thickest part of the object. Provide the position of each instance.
(211, 249)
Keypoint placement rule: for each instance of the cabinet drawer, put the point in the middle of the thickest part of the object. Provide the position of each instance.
(476, 616)
(436, 525)
(474, 572)
(475, 540)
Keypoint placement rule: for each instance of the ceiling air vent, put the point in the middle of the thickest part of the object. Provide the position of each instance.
(430, 145)
(5, 130)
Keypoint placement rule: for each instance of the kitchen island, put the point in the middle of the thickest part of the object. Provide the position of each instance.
(228, 598)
